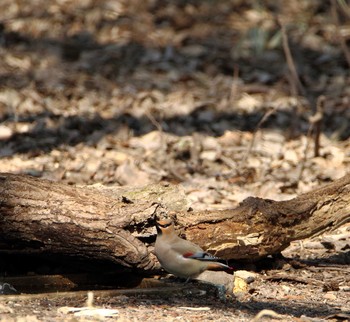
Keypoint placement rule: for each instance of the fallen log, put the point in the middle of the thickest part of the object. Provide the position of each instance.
(117, 224)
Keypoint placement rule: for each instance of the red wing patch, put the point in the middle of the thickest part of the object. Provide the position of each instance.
(187, 254)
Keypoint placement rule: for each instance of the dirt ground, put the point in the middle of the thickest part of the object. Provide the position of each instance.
(202, 94)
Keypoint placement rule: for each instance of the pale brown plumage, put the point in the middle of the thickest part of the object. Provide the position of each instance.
(181, 257)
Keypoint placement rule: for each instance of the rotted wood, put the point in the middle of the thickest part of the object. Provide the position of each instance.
(117, 224)
(260, 227)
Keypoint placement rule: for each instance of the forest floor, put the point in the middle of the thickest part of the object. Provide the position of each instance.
(196, 93)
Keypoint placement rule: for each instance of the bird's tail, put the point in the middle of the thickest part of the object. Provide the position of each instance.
(217, 266)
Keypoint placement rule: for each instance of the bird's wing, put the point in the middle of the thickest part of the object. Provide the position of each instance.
(190, 250)
(206, 257)
(202, 256)
(182, 246)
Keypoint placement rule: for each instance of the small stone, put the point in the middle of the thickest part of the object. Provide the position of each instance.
(5, 132)
(240, 286)
(248, 277)
(218, 278)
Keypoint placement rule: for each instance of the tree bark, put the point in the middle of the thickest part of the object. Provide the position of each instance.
(117, 224)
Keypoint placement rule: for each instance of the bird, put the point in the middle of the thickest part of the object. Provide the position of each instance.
(181, 257)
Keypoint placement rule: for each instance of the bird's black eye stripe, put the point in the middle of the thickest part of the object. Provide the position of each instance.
(164, 225)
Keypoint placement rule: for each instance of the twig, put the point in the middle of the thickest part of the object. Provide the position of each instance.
(163, 144)
(297, 87)
(340, 37)
(154, 121)
(316, 122)
(294, 80)
(251, 145)
(163, 288)
(292, 278)
(267, 313)
(303, 161)
(344, 6)
(234, 87)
